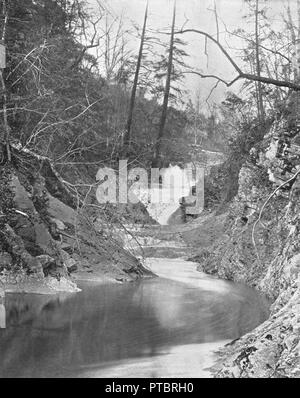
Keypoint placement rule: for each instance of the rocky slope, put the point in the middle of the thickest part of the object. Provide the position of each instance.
(260, 246)
(45, 237)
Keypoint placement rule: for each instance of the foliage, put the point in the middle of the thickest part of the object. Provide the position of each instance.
(60, 105)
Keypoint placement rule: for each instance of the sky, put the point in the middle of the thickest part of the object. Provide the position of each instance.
(196, 14)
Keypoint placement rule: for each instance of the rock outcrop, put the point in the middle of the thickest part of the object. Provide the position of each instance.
(45, 237)
(261, 247)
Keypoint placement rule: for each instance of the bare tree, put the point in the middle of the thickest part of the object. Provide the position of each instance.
(260, 103)
(6, 138)
(115, 52)
(298, 43)
(298, 66)
(127, 135)
(157, 147)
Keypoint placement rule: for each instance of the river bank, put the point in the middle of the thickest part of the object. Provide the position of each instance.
(258, 244)
(222, 246)
(168, 326)
(56, 243)
(46, 236)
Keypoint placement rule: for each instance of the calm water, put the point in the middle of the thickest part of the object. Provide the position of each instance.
(168, 326)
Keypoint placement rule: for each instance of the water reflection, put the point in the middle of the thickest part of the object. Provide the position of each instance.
(126, 329)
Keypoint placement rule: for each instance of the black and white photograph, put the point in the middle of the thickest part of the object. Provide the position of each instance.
(149, 192)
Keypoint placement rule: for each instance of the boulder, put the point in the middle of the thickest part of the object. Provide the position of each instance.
(46, 261)
(5, 260)
(72, 268)
(62, 285)
(28, 224)
(59, 224)
(69, 262)
(17, 248)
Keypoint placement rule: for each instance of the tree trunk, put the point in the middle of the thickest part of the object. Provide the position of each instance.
(4, 138)
(127, 135)
(298, 69)
(163, 119)
(298, 44)
(260, 105)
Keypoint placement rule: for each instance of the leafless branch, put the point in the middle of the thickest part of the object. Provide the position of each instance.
(263, 208)
(241, 74)
(61, 122)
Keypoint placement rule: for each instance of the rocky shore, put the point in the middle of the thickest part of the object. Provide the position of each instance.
(259, 245)
(48, 241)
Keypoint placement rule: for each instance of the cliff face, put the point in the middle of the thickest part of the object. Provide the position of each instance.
(45, 239)
(261, 247)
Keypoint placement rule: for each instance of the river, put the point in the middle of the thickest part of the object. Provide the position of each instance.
(169, 326)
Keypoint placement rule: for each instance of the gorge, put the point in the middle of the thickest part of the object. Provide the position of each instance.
(96, 289)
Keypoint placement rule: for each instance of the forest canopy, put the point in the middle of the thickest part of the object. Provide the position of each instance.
(72, 80)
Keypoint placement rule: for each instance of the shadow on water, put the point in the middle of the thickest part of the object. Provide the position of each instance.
(72, 335)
